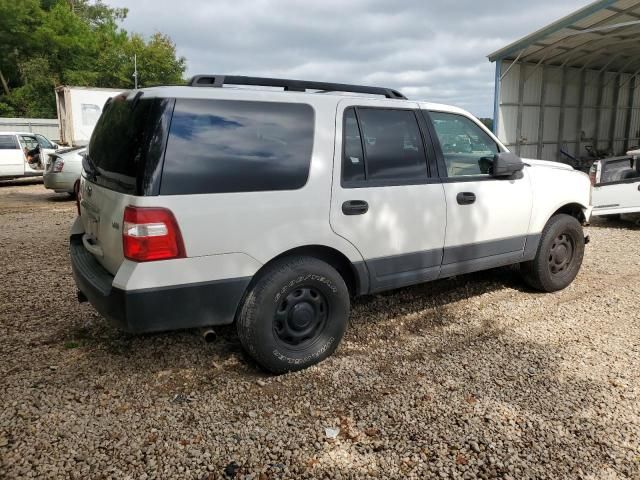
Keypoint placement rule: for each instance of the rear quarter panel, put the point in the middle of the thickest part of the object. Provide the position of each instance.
(266, 224)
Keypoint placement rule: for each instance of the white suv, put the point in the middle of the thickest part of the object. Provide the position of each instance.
(204, 206)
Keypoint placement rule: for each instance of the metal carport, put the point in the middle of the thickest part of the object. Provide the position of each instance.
(572, 85)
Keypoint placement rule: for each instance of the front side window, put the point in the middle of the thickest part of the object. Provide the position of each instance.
(8, 142)
(44, 142)
(467, 149)
(393, 147)
(222, 146)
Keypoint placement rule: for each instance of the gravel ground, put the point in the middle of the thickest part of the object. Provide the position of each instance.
(474, 377)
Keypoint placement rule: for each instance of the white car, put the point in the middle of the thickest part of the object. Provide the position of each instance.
(616, 187)
(23, 154)
(272, 209)
(63, 170)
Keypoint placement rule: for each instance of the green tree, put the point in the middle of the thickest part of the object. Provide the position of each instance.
(18, 18)
(73, 42)
(488, 122)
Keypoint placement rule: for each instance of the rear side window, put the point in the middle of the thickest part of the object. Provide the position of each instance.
(617, 170)
(8, 142)
(353, 159)
(221, 146)
(392, 145)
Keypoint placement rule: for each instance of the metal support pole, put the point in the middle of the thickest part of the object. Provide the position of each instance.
(563, 102)
(519, 138)
(135, 71)
(596, 139)
(614, 115)
(583, 81)
(627, 128)
(543, 101)
(496, 98)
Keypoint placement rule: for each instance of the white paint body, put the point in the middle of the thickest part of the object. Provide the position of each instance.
(63, 181)
(234, 234)
(13, 161)
(621, 196)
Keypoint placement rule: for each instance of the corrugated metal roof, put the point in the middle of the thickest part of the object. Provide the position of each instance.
(603, 35)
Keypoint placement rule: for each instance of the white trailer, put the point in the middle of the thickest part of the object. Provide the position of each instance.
(78, 111)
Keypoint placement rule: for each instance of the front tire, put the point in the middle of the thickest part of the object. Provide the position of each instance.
(559, 256)
(294, 315)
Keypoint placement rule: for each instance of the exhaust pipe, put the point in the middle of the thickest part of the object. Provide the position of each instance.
(209, 335)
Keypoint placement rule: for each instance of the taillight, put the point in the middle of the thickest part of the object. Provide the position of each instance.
(58, 165)
(151, 234)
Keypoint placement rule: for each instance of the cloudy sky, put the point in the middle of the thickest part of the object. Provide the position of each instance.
(430, 49)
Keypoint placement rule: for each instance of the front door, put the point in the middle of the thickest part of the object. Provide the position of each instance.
(619, 188)
(384, 200)
(11, 157)
(487, 217)
(33, 152)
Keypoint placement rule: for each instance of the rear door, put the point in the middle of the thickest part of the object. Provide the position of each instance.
(618, 189)
(487, 217)
(384, 200)
(11, 156)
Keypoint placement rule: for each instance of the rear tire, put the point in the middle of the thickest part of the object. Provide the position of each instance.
(559, 255)
(294, 315)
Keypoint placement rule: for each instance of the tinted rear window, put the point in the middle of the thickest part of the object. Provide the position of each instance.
(127, 144)
(8, 142)
(219, 146)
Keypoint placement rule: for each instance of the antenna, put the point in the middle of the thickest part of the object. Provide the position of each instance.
(135, 71)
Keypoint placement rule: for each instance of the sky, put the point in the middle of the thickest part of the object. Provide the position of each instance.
(434, 50)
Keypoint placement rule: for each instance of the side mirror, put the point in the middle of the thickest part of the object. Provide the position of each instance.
(506, 164)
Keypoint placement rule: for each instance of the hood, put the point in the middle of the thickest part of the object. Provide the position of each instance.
(548, 164)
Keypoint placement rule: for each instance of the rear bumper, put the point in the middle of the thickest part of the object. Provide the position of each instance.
(60, 182)
(175, 307)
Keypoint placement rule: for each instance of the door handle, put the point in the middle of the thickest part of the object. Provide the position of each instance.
(466, 198)
(355, 207)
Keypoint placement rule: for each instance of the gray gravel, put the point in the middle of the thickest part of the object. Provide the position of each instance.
(474, 377)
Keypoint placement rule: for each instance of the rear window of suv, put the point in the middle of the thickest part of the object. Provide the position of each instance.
(221, 146)
(127, 144)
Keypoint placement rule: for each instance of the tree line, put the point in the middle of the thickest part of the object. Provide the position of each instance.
(47, 43)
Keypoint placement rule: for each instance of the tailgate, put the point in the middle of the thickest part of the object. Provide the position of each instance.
(102, 211)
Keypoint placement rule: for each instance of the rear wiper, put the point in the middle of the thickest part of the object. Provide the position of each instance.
(90, 167)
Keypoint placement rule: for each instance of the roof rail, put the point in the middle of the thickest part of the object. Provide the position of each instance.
(290, 85)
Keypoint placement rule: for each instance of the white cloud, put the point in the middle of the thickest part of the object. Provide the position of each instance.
(432, 50)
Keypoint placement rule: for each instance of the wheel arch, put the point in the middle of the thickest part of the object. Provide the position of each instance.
(355, 276)
(574, 209)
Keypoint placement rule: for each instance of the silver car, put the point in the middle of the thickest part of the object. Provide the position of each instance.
(63, 170)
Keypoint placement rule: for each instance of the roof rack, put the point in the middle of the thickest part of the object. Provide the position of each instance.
(290, 85)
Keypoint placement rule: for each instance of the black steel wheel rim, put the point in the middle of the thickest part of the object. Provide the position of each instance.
(301, 317)
(561, 254)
